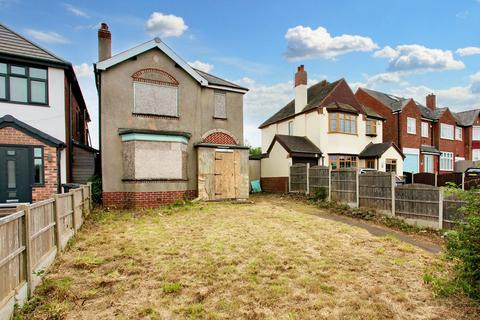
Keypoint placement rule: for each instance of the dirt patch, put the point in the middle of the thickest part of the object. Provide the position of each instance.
(238, 261)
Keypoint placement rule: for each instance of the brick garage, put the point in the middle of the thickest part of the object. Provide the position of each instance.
(10, 135)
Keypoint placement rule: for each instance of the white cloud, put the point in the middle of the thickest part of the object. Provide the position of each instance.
(46, 36)
(165, 25)
(307, 43)
(203, 66)
(417, 58)
(74, 10)
(468, 51)
(83, 70)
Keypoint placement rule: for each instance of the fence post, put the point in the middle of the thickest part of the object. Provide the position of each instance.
(393, 191)
(28, 248)
(308, 179)
(463, 180)
(440, 209)
(436, 179)
(56, 211)
(74, 218)
(89, 186)
(357, 187)
(329, 183)
(413, 177)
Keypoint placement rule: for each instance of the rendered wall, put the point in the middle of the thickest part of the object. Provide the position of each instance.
(277, 164)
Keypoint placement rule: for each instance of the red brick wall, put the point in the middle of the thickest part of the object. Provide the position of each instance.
(219, 138)
(390, 123)
(10, 135)
(455, 146)
(410, 140)
(144, 199)
(342, 93)
(274, 184)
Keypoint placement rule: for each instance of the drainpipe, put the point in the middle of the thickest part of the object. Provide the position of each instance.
(70, 138)
(398, 131)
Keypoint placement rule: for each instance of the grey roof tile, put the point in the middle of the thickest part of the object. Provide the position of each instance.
(218, 81)
(296, 144)
(467, 118)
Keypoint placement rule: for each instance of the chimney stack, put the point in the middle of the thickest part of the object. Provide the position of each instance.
(104, 42)
(431, 101)
(300, 89)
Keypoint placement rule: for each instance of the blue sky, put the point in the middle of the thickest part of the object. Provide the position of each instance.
(409, 48)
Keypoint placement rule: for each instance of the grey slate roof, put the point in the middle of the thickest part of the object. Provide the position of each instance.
(315, 95)
(395, 103)
(467, 118)
(11, 43)
(429, 149)
(371, 113)
(295, 144)
(11, 121)
(375, 150)
(218, 81)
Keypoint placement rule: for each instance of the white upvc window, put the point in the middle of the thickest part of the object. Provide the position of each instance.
(290, 128)
(476, 133)
(446, 131)
(411, 125)
(425, 127)
(476, 154)
(458, 133)
(446, 161)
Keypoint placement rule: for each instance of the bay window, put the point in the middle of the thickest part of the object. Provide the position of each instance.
(342, 161)
(342, 123)
(371, 127)
(23, 84)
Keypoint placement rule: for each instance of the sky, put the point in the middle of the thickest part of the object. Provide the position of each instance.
(404, 47)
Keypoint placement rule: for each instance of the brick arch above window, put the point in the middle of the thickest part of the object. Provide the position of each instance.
(156, 76)
(219, 136)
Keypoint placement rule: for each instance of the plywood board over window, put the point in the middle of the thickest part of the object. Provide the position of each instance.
(220, 101)
(155, 99)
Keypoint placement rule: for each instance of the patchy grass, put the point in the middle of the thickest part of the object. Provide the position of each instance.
(238, 261)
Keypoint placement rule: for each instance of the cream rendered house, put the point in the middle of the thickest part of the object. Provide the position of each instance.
(323, 125)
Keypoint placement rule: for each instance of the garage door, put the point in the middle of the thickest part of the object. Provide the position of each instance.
(410, 164)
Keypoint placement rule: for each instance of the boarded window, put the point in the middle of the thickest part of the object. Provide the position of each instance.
(155, 99)
(220, 105)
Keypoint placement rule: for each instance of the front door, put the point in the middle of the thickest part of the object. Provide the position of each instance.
(225, 174)
(428, 159)
(15, 177)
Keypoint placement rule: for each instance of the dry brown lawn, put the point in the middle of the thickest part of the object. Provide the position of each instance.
(268, 260)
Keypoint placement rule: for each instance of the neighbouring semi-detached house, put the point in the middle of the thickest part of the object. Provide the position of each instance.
(431, 138)
(44, 138)
(323, 125)
(167, 131)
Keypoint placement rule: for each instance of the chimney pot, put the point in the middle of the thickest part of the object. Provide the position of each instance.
(300, 89)
(431, 101)
(104, 42)
(300, 76)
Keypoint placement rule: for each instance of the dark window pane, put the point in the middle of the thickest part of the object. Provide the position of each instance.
(38, 73)
(18, 89)
(3, 68)
(11, 178)
(10, 152)
(3, 87)
(38, 169)
(38, 91)
(18, 70)
(37, 152)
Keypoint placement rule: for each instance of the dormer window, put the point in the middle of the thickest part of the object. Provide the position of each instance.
(155, 93)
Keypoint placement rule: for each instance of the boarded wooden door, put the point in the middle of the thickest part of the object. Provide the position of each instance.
(225, 175)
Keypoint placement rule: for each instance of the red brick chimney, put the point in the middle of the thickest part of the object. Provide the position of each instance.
(104, 42)
(431, 101)
(300, 89)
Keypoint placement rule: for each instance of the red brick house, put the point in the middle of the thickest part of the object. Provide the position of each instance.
(470, 122)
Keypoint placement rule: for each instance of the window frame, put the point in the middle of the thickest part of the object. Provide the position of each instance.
(290, 127)
(458, 137)
(370, 161)
(338, 117)
(391, 163)
(446, 125)
(371, 124)
(443, 160)
(425, 128)
(410, 119)
(338, 159)
(42, 171)
(475, 151)
(29, 79)
(477, 130)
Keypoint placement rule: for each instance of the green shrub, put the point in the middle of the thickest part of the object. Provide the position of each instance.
(463, 244)
(320, 195)
(96, 188)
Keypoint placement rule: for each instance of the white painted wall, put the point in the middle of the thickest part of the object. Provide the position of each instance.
(51, 119)
(277, 164)
(391, 153)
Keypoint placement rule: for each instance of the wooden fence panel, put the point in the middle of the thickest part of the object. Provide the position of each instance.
(425, 178)
(454, 177)
(65, 217)
(376, 190)
(344, 185)
(298, 178)
(318, 178)
(42, 232)
(417, 201)
(77, 208)
(451, 212)
(12, 255)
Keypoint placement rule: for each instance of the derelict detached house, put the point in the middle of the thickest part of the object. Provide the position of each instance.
(167, 130)
(44, 137)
